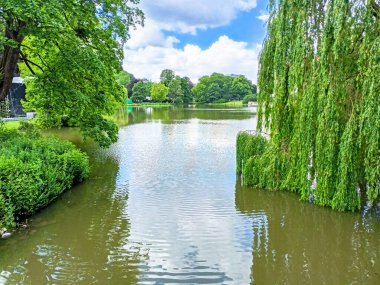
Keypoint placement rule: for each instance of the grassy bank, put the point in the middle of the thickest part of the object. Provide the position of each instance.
(238, 103)
(35, 170)
(148, 104)
(228, 104)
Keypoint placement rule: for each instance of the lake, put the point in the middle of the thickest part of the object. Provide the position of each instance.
(164, 206)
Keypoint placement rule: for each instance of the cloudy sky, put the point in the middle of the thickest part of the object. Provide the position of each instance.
(197, 37)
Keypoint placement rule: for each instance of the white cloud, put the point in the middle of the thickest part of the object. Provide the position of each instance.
(224, 56)
(187, 16)
(150, 50)
(264, 16)
(150, 34)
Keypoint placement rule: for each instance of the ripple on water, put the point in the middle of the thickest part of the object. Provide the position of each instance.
(163, 207)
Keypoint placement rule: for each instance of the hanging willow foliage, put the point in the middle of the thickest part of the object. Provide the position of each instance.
(319, 97)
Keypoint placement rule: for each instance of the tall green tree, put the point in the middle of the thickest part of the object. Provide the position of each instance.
(240, 88)
(186, 86)
(124, 78)
(167, 76)
(141, 90)
(319, 85)
(214, 92)
(159, 92)
(222, 87)
(200, 89)
(175, 90)
(72, 49)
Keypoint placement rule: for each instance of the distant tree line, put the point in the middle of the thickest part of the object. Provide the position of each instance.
(221, 88)
(216, 88)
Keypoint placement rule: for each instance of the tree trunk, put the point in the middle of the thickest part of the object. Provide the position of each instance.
(10, 57)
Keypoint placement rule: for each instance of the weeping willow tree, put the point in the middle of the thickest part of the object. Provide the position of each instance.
(319, 98)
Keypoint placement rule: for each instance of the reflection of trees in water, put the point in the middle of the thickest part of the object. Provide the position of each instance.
(79, 239)
(304, 244)
(125, 116)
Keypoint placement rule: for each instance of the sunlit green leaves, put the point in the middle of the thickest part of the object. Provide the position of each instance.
(218, 87)
(159, 92)
(72, 50)
(319, 98)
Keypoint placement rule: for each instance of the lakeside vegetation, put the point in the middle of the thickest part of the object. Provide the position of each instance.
(213, 89)
(319, 100)
(34, 170)
(149, 104)
(68, 53)
(237, 103)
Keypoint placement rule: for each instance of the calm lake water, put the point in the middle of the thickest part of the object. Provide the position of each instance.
(164, 206)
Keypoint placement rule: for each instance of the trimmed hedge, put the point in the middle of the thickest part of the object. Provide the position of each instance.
(35, 170)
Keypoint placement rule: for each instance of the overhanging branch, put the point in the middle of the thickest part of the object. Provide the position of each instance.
(27, 61)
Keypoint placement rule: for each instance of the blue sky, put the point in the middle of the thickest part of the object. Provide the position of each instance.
(197, 37)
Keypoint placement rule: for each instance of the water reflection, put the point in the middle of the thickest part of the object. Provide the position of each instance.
(163, 206)
(79, 240)
(300, 243)
(180, 176)
(168, 115)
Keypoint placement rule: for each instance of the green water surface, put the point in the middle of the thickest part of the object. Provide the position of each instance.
(164, 206)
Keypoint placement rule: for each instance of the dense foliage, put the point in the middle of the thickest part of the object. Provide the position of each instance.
(71, 50)
(250, 98)
(179, 87)
(141, 90)
(167, 76)
(216, 88)
(34, 171)
(222, 88)
(159, 92)
(319, 85)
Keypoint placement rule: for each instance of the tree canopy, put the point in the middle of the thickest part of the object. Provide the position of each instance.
(179, 88)
(124, 78)
(71, 51)
(216, 87)
(141, 90)
(319, 85)
(219, 87)
(159, 92)
(167, 76)
(175, 90)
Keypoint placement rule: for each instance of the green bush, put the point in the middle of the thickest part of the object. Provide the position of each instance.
(249, 98)
(35, 170)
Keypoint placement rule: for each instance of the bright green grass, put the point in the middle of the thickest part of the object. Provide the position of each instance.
(147, 104)
(229, 104)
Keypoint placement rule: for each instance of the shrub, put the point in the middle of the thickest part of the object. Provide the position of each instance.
(34, 171)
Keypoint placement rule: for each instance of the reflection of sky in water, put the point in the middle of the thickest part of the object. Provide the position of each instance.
(162, 206)
(181, 182)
